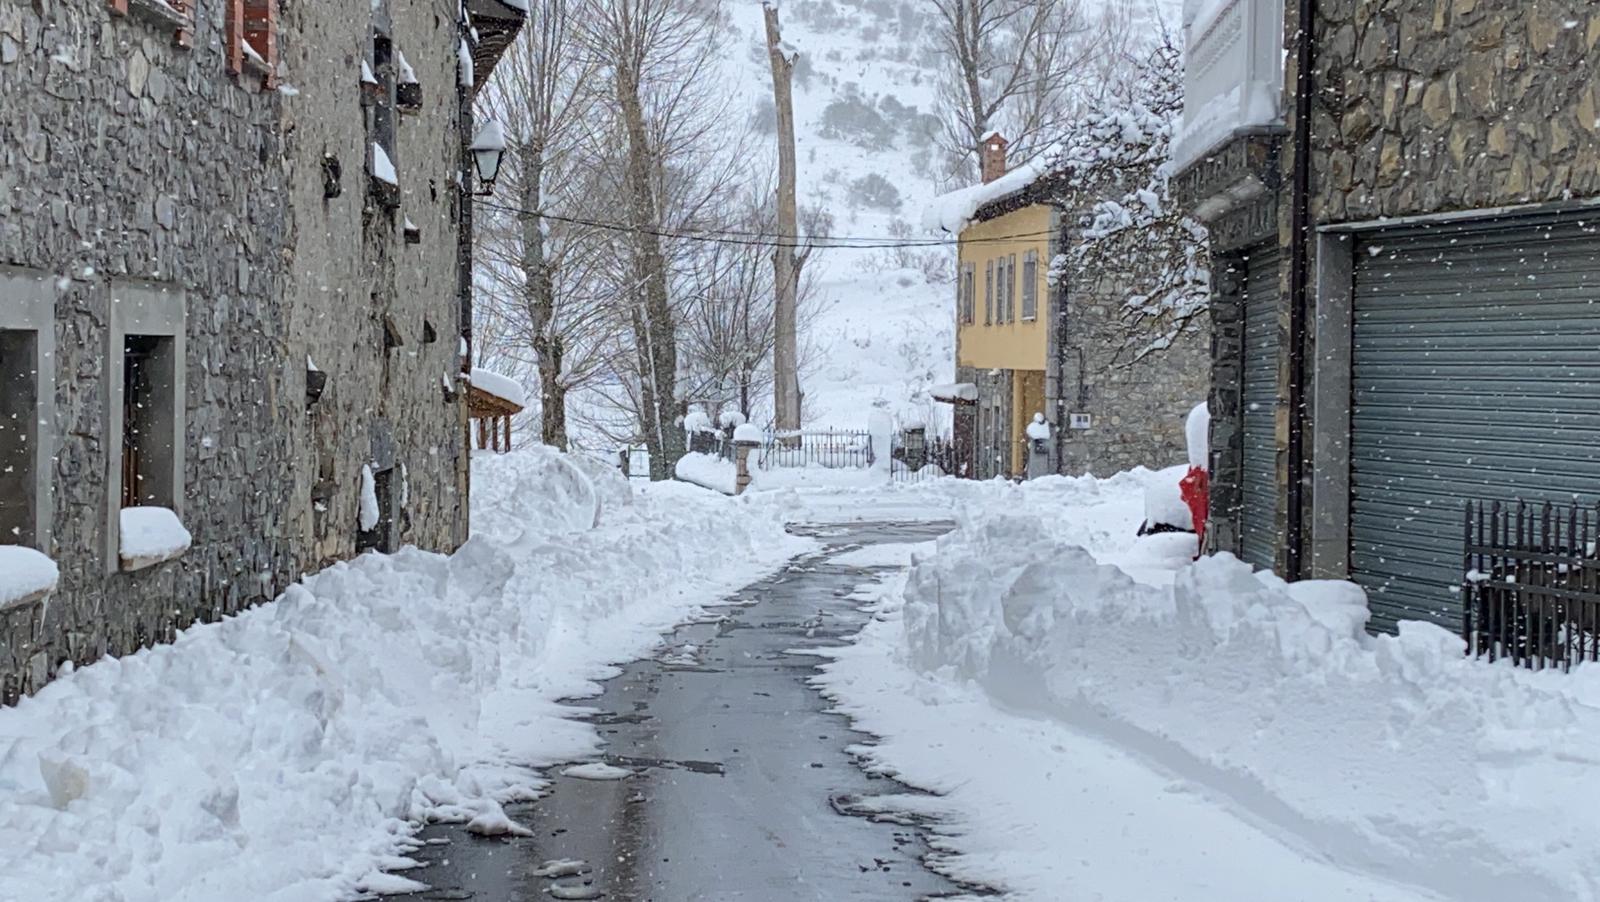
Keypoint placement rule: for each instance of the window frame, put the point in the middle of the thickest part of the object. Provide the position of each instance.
(988, 293)
(152, 309)
(966, 291)
(29, 306)
(1011, 288)
(1030, 286)
(252, 24)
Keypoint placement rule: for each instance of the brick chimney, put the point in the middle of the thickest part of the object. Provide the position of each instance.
(993, 156)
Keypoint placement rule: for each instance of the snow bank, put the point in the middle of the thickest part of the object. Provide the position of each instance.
(708, 471)
(1163, 500)
(500, 386)
(1394, 752)
(25, 573)
(284, 755)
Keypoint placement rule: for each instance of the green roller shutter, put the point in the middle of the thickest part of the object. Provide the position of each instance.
(1475, 374)
(1259, 481)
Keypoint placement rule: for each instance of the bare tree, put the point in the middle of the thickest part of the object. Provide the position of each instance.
(785, 262)
(541, 93)
(655, 56)
(1019, 66)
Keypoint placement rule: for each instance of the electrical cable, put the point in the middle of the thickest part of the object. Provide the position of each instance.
(767, 239)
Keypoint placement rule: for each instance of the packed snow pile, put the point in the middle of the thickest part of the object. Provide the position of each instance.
(25, 573)
(708, 471)
(150, 534)
(542, 493)
(1427, 767)
(285, 753)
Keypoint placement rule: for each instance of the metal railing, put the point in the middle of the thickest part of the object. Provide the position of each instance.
(834, 449)
(1531, 590)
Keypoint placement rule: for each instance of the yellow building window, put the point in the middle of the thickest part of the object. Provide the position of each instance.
(1030, 286)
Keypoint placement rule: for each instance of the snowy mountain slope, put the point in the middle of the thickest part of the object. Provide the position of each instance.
(879, 333)
(883, 326)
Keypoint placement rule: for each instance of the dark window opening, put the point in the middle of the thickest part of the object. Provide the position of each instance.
(148, 420)
(429, 336)
(19, 427)
(381, 536)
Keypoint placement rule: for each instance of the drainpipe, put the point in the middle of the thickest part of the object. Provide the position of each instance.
(1299, 279)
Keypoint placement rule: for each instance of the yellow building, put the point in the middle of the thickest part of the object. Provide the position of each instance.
(1031, 344)
(1003, 320)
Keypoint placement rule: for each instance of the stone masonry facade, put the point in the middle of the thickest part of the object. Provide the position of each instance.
(134, 168)
(1139, 405)
(1421, 108)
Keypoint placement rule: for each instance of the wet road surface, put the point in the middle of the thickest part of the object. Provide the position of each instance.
(737, 774)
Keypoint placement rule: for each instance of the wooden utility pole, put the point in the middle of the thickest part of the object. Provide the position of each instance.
(785, 260)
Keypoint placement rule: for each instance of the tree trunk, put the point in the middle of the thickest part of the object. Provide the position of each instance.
(540, 292)
(652, 318)
(786, 265)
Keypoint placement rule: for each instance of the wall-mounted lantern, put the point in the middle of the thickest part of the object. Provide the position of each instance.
(488, 150)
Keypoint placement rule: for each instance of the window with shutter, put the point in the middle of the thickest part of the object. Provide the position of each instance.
(1011, 288)
(252, 39)
(988, 293)
(1030, 286)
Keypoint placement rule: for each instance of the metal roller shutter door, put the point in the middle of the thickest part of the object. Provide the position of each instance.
(1475, 374)
(1258, 535)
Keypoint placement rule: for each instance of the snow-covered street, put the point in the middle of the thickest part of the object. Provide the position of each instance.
(1066, 711)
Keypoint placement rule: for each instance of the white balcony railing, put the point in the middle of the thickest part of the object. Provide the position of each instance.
(1233, 73)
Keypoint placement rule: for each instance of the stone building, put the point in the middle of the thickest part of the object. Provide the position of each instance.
(1407, 320)
(1037, 337)
(232, 286)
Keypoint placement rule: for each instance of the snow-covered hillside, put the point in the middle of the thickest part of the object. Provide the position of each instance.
(881, 331)
(883, 326)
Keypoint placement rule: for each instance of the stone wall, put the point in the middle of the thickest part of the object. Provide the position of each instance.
(125, 158)
(1428, 106)
(129, 162)
(354, 279)
(1139, 405)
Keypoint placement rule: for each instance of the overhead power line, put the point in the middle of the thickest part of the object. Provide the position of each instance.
(765, 239)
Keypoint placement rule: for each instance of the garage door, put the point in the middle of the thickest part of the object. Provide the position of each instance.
(1259, 485)
(1476, 374)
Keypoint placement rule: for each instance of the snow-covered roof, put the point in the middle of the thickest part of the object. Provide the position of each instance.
(955, 391)
(951, 212)
(502, 387)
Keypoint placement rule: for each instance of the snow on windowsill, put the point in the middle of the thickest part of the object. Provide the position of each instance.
(161, 11)
(26, 575)
(382, 166)
(150, 536)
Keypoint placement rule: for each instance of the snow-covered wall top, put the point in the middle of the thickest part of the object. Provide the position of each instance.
(1233, 72)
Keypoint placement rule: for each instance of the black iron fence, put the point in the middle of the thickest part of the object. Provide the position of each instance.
(834, 449)
(1531, 590)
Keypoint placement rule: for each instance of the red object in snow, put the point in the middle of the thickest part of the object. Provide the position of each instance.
(1195, 490)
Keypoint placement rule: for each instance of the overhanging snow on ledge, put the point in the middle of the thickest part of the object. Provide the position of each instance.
(149, 536)
(955, 393)
(26, 575)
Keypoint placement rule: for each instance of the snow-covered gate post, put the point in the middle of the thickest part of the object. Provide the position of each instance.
(745, 438)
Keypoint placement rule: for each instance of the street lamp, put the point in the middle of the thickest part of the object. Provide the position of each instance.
(488, 149)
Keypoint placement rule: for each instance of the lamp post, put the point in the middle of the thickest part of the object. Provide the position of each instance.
(488, 150)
